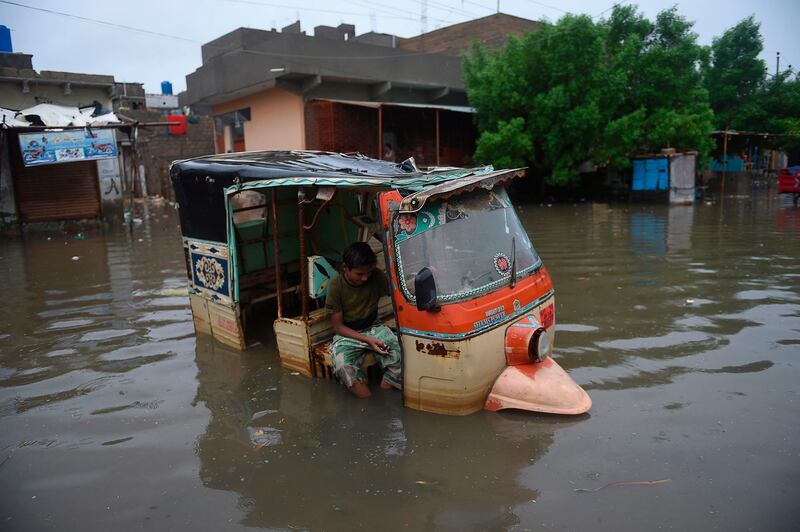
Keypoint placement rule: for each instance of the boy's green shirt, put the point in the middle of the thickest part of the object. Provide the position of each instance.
(358, 304)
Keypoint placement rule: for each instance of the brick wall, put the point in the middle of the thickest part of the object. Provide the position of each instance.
(492, 32)
(333, 126)
(158, 148)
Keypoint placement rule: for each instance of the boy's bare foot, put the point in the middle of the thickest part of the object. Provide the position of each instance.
(361, 390)
(385, 385)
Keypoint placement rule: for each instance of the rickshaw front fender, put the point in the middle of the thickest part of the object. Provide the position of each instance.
(538, 387)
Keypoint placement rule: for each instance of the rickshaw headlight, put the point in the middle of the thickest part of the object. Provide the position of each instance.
(539, 347)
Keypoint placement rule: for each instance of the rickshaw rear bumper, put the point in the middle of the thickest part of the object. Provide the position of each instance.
(538, 387)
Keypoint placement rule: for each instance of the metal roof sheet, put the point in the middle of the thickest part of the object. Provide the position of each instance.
(266, 169)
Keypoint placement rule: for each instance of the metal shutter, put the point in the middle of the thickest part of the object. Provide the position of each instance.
(68, 191)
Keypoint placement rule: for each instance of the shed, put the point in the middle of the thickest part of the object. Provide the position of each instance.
(664, 176)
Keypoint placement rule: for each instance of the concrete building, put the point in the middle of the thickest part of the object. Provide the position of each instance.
(343, 92)
(82, 189)
(158, 148)
(128, 97)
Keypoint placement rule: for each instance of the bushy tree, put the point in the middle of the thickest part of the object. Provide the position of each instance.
(581, 91)
(744, 96)
(735, 74)
(775, 108)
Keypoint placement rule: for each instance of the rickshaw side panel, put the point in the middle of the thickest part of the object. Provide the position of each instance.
(294, 345)
(220, 321)
(202, 321)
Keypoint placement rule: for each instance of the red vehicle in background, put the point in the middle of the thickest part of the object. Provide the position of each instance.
(789, 182)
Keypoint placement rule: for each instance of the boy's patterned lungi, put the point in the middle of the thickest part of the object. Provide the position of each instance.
(348, 354)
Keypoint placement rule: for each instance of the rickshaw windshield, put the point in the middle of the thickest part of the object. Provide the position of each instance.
(469, 242)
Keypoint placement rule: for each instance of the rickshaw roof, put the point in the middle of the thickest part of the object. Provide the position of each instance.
(262, 169)
(203, 184)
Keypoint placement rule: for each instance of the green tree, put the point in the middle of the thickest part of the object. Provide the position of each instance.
(775, 108)
(735, 74)
(581, 91)
(744, 96)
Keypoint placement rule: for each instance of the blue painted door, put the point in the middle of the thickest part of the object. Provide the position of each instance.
(662, 169)
(651, 174)
(638, 174)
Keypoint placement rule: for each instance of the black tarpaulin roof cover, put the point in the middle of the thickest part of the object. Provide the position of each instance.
(201, 183)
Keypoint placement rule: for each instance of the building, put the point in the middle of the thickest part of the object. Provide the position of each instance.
(158, 147)
(43, 190)
(373, 93)
(491, 32)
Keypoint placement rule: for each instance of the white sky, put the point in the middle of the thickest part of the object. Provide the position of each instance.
(62, 43)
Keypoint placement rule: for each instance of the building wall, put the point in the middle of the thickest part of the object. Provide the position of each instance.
(110, 176)
(12, 97)
(8, 206)
(158, 149)
(276, 120)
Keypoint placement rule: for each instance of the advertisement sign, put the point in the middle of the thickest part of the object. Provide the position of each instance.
(67, 146)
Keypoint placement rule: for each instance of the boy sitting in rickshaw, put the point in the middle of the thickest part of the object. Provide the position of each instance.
(352, 303)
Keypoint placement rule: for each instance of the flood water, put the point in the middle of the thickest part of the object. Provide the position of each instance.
(682, 323)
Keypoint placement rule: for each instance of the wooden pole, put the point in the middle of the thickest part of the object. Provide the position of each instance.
(303, 259)
(724, 163)
(380, 132)
(277, 250)
(333, 125)
(437, 137)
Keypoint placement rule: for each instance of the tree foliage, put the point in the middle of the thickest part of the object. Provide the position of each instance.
(744, 96)
(735, 73)
(775, 108)
(581, 91)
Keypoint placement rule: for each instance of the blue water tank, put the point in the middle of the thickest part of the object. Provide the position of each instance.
(5, 40)
(166, 87)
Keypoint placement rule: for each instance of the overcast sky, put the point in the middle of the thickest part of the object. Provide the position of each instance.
(60, 42)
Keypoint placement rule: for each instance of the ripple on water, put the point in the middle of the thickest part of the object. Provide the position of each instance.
(656, 342)
(69, 324)
(161, 316)
(167, 302)
(575, 327)
(136, 405)
(61, 352)
(757, 295)
(172, 330)
(702, 270)
(110, 334)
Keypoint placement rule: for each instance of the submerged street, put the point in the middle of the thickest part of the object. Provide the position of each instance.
(681, 322)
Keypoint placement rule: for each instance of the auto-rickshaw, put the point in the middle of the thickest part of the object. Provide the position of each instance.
(471, 301)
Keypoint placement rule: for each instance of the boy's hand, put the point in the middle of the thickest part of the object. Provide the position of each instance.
(377, 346)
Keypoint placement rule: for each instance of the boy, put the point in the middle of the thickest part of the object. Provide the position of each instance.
(352, 304)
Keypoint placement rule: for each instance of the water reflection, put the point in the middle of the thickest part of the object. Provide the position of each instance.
(302, 453)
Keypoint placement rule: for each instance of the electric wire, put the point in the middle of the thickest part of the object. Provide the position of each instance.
(317, 10)
(101, 22)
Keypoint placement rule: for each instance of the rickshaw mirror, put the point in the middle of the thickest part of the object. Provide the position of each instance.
(425, 290)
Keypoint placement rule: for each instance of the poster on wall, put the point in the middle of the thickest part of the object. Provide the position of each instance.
(67, 146)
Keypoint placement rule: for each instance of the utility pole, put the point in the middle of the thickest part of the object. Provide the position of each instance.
(498, 6)
(777, 63)
(423, 16)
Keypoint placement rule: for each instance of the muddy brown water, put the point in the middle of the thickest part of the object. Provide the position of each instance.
(683, 323)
